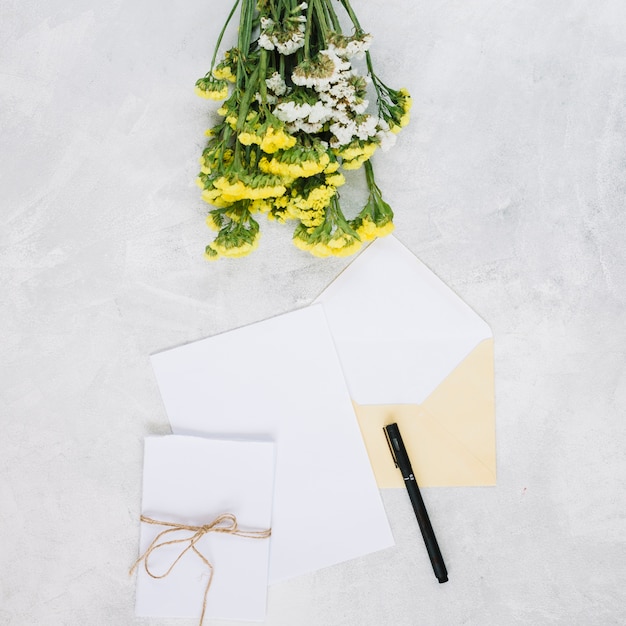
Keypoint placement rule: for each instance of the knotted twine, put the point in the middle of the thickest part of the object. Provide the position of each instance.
(224, 523)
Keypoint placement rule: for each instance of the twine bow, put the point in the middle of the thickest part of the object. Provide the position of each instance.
(225, 523)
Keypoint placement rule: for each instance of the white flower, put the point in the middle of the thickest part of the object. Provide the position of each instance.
(276, 84)
(311, 128)
(367, 128)
(290, 111)
(357, 47)
(325, 71)
(352, 48)
(386, 138)
(286, 37)
(360, 108)
(319, 113)
(290, 45)
(344, 133)
(266, 42)
(342, 89)
(269, 98)
(340, 116)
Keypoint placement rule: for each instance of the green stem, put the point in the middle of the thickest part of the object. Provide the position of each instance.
(307, 33)
(352, 15)
(248, 94)
(338, 217)
(333, 16)
(369, 176)
(245, 27)
(321, 22)
(263, 59)
(223, 146)
(221, 35)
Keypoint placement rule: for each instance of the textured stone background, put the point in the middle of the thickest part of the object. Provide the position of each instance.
(509, 184)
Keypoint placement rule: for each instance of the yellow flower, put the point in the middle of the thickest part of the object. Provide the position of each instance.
(233, 252)
(406, 102)
(350, 153)
(333, 166)
(342, 242)
(223, 72)
(301, 169)
(355, 154)
(211, 95)
(403, 121)
(215, 197)
(212, 89)
(369, 230)
(238, 233)
(211, 223)
(205, 169)
(262, 205)
(312, 219)
(231, 191)
(385, 230)
(354, 164)
(319, 197)
(301, 243)
(320, 249)
(274, 140)
(247, 138)
(336, 180)
(214, 251)
(347, 249)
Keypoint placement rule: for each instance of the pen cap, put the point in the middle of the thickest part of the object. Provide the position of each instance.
(396, 446)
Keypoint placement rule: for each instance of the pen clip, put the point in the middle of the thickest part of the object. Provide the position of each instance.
(393, 455)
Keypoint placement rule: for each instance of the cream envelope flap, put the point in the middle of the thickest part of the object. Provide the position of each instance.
(413, 352)
(450, 437)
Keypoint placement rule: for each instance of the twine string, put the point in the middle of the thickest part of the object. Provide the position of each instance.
(224, 523)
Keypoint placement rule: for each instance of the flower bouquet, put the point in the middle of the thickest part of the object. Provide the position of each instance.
(295, 113)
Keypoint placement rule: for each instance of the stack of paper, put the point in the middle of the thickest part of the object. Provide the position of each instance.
(281, 379)
(387, 340)
(192, 481)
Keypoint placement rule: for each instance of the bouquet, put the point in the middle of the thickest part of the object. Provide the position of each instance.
(296, 112)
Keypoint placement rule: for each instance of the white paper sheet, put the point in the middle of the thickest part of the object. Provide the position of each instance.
(192, 480)
(281, 378)
(398, 329)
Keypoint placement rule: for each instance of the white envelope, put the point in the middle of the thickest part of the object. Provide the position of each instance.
(192, 481)
(281, 378)
(413, 352)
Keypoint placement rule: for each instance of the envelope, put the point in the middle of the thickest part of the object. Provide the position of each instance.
(281, 379)
(192, 481)
(413, 352)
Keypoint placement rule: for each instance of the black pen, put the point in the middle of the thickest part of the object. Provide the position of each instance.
(401, 459)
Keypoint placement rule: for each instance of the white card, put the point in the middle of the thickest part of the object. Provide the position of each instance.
(281, 378)
(192, 481)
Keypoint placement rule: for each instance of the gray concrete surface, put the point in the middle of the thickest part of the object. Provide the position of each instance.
(509, 184)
